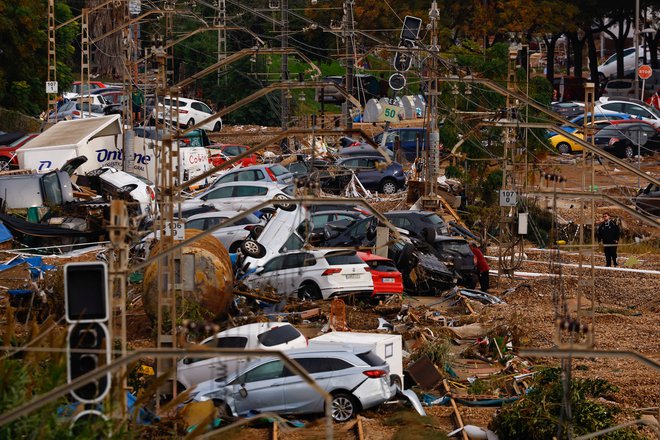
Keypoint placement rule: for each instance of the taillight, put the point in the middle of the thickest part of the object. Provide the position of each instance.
(75, 112)
(272, 175)
(330, 272)
(367, 269)
(475, 260)
(249, 227)
(614, 141)
(354, 144)
(151, 193)
(375, 374)
(183, 112)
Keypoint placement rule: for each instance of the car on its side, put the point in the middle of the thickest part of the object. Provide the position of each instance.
(221, 153)
(190, 112)
(455, 251)
(231, 236)
(635, 107)
(193, 370)
(112, 182)
(313, 274)
(272, 173)
(355, 377)
(648, 200)
(386, 277)
(237, 196)
(425, 225)
(373, 173)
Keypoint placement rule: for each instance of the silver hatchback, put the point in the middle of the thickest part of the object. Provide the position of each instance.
(356, 378)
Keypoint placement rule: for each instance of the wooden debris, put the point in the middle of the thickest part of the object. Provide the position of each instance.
(457, 415)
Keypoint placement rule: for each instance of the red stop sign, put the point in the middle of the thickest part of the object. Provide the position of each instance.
(644, 71)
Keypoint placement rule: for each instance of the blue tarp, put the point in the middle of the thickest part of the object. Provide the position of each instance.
(35, 264)
(5, 235)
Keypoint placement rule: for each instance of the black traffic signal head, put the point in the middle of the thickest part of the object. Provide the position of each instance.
(86, 292)
(86, 351)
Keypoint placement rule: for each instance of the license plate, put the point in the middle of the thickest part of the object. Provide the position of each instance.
(352, 276)
(388, 280)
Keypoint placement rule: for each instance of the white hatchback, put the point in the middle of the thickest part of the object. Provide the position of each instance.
(190, 112)
(314, 274)
(237, 196)
(261, 335)
(230, 236)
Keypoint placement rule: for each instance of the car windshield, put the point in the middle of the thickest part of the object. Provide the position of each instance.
(457, 246)
(382, 265)
(434, 219)
(343, 257)
(278, 170)
(278, 336)
(653, 110)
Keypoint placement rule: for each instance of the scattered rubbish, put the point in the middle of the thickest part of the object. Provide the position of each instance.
(384, 325)
(424, 373)
(414, 400)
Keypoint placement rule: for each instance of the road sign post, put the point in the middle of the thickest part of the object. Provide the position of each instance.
(644, 72)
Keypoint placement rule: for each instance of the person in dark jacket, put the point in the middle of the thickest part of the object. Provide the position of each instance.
(482, 267)
(608, 233)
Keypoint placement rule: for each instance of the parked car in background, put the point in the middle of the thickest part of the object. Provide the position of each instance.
(237, 196)
(261, 335)
(425, 225)
(411, 139)
(634, 107)
(190, 112)
(603, 115)
(274, 173)
(373, 173)
(384, 274)
(608, 68)
(9, 143)
(567, 109)
(313, 274)
(626, 88)
(231, 236)
(74, 110)
(354, 376)
(565, 145)
(456, 252)
(648, 199)
(626, 139)
(365, 87)
(221, 153)
(77, 88)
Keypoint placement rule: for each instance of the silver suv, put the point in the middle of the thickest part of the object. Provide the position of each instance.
(355, 377)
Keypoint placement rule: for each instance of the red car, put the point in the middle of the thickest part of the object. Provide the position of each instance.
(221, 153)
(386, 277)
(8, 159)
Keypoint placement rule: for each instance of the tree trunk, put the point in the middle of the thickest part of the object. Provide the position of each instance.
(653, 48)
(577, 44)
(593, 62)
(109, 57)
(550, 57)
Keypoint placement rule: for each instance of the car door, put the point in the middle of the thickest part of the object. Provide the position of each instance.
(245, 196)
(368, 174)
(199, 369)
(268, 276)
(299, 396)
(261, 389)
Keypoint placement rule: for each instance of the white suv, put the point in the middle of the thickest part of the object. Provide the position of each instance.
(191, 112)
(634, 107)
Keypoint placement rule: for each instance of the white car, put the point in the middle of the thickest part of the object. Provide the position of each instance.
(608, 68)
(237, 196)
(287, 230)
(261, 335)
(114, 181)
(634, 107)
(191, 112)
(232, 236)
(94, 99)
(314, 274)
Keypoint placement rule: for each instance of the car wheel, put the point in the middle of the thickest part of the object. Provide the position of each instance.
(190, 123)
(253, 249)
(343, 407)
(564, 148)
(284, 206)
(234, 247)
(309, 291)
(388, 186)
(217, 127)
(4, 164)
(256, 232)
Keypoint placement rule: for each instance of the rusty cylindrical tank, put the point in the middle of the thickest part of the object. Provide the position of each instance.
(207, 280)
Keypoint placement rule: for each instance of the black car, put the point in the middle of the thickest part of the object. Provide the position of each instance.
(423, 272)
(322, 218)
(648, 200)
(567, 109)
(629, 138)
(456, 251)
(425, 225)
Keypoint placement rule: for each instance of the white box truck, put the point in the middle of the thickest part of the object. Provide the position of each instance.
(389, 347)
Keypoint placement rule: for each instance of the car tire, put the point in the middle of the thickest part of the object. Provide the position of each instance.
(234, 247)
(284, 206)
(190, 123)
(309, 291)
(564, 148)
(253, 249)
(627, 152)
(344, 407)
(256, 232)
(4, 164)
(388, 186)
(217, 127)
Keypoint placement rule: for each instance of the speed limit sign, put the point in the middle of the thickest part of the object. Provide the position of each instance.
(508, 198)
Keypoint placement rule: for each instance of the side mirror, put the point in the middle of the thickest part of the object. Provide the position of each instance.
(243, 392)
(259, 270)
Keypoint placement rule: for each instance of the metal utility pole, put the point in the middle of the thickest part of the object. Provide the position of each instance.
(432, 106)
(636, 37)
(284, 96)
(84, 63)
(221, 22)
(52, 62)
(348, 32)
